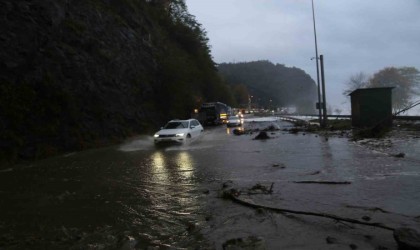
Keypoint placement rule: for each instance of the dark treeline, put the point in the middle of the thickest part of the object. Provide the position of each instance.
(266, 81)
(78, 74)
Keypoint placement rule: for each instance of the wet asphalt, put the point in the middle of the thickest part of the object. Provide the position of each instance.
(138, 196)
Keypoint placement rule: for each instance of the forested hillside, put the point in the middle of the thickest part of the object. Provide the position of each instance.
(266, 81)
(78, 74)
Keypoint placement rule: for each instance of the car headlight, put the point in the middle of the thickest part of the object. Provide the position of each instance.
(179, 135)
(156, 135)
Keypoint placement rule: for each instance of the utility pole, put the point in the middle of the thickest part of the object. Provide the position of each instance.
(324, 102)
(317, 68)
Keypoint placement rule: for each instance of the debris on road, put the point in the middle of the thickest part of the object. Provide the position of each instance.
(399, 155)
(262, 136)
(260, 189)
(407, 238)
(324, 182)
(279, 165)
(251, 242)
(234, 195)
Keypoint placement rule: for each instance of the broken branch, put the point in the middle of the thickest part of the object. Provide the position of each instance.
(235, 197)
(324, 182)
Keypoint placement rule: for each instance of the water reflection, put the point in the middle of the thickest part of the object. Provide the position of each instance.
(230, 131)
(185, 164)
(160, 173)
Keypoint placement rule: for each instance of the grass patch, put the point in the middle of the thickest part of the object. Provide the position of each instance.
(339, 124)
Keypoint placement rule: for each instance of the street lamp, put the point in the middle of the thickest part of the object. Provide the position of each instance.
(317, 67)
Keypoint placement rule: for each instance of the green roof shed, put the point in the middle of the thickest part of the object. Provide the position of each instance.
(371, 107)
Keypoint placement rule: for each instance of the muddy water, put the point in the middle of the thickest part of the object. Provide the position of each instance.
(135, 196)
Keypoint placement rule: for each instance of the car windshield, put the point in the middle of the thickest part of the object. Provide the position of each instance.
(175, 125)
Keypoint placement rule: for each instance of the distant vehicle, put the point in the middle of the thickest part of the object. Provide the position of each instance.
(213, 113)
(234, 121)
(178, 131)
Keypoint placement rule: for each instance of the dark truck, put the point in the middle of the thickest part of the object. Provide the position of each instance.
(213, 113)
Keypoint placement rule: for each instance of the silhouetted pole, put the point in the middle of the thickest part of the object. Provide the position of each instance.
(324, 102)
(317, 67)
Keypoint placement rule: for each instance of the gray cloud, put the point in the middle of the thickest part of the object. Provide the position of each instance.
(354, 36)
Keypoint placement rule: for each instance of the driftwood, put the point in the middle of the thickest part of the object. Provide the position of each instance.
(260, 189)
(234, 196)
(324, 182)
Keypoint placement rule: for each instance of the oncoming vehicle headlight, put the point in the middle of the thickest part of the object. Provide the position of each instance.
(156, 135)
(179, 135)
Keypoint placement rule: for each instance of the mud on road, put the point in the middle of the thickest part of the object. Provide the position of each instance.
(136, 196)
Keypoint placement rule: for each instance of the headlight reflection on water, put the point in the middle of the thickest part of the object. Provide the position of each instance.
(185, 164)
(160, 172)
(165, 169)
(172, 177)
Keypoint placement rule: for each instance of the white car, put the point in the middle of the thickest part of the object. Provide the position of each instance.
(234, 121)
(179, 131)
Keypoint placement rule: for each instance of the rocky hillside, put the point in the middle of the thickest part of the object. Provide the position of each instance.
(77, 74)
(273, 85)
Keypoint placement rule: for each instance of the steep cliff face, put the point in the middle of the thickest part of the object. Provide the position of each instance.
(74, 74)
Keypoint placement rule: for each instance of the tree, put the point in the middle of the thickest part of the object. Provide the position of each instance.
(338, 111)
(360, 80)
(241, 93)
(405, 81)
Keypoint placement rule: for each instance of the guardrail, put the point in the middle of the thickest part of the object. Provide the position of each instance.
(398, 117)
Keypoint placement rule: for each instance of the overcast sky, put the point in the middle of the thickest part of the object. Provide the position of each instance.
(353, 35)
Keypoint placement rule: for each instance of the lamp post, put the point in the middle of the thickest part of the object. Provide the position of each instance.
(317, 68)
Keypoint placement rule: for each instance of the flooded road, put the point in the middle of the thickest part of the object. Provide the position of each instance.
(137, 196)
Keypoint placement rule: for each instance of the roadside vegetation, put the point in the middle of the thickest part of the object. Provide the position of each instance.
(404, 80)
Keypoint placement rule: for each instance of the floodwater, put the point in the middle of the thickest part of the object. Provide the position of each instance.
(137, 196)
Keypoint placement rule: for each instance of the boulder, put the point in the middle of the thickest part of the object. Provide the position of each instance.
(407, 238)
(262, 136)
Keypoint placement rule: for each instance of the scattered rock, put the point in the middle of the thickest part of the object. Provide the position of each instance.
(260, 211)
(294, 130)
(353, 246)
(191, 227)
(238, 131)
(260, 189)
(230, 193)
(262, 136)
(366, 218)
(331, 240)
(368, 237)
(399, 155)
(407, 238)
(324, 182)
(251, 242)
(279, 165)
(272, 127)
(315, 173)
(226, 184)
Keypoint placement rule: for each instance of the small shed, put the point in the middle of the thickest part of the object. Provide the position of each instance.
(371, 107)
